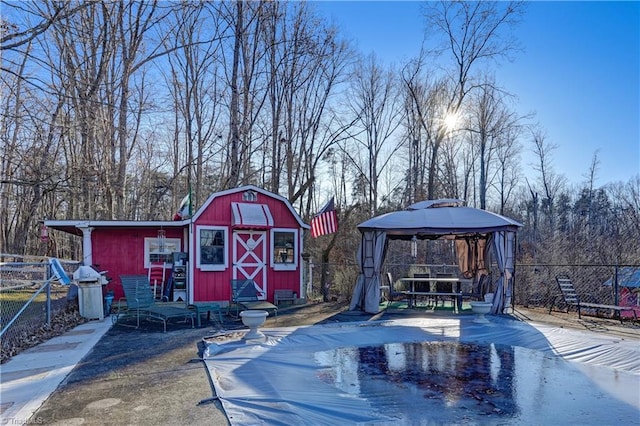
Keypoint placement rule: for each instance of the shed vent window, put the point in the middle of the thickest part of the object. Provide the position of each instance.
(249, 196)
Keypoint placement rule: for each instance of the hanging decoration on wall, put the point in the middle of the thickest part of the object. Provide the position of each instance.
(162, 240)
(44, 233)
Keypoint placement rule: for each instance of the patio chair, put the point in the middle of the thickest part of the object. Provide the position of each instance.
(245, 295)
(392, 293)
(444, 287)
(157, 278)
(479, 289)
(140, 303)
(422, 286)
(425, 287)
(385, 290)
(572, 299)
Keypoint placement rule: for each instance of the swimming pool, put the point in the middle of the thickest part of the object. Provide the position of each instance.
(427, 371)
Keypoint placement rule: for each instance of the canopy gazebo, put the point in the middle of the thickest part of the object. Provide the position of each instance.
(475, 232)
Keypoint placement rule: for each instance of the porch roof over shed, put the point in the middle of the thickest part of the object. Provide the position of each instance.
(75, 226)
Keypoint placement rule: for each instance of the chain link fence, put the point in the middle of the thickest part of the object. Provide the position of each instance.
(33, 307)
(535, 284)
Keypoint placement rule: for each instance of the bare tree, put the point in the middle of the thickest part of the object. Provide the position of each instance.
(620, 242)
(246, 21)
(625, 232)
(549, 182)
(426, 100)
(234, 83)
(135, 50)
(27, 174)
(508, 165)
(471, 33)
(375, 101)
(106, 46)
(590, 191)
(306, 61)
(193, 80)
(14, 37)
(320, 127)
(490, 125)
(84, 44)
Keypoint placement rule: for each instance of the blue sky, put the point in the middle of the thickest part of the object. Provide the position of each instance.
(579, 72)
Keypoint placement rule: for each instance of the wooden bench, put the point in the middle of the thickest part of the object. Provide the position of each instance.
(284, 295)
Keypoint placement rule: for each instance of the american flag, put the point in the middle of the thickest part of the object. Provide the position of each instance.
(326, 221)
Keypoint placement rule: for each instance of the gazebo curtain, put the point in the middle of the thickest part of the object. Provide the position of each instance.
(366, 294)
(504, 244)
(471, 253)
(474, 256)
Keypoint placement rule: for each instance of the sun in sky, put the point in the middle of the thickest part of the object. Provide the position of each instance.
(451, 121)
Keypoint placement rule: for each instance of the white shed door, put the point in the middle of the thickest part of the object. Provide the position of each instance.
(250, 258)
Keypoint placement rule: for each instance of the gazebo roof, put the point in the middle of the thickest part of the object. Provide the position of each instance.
(436, 218)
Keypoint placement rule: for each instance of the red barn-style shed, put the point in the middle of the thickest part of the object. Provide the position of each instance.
(244, 232)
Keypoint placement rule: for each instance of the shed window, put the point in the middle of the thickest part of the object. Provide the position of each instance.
(284, 249)
(158, 250)
(212, 243)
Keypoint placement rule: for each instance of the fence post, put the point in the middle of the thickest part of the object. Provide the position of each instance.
(615, 286)
(48, 304)
(310, 281)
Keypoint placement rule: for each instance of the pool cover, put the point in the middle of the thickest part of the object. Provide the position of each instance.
(426, 371)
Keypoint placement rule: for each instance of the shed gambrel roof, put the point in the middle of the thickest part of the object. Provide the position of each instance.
(254, 188)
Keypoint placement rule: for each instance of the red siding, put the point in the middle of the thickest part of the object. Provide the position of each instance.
(216, 286)
(121, 252)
